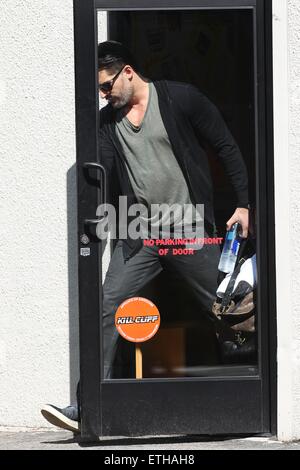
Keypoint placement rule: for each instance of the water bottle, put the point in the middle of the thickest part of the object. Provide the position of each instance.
(230, 249)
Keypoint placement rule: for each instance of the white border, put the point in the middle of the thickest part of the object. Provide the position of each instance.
(282, 219)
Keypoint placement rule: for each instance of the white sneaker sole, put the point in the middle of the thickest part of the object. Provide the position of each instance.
(58, 419)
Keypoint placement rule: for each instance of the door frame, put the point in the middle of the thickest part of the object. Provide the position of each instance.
(94, 391)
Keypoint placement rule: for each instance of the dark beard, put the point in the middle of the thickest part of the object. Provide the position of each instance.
(122, 101)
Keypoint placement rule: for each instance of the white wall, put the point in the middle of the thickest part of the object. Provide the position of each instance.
(294, 166)
(282, 216)
(38, 319)
(286, 58)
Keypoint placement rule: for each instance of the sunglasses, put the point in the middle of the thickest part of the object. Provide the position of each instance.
(108, 86)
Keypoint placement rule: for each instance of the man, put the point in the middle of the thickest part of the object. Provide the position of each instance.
(151, 144)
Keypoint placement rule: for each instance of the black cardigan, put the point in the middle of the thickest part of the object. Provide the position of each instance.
(190, 120)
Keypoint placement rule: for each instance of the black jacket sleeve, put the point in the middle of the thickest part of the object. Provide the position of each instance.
(210, 126)
(107, 157)
(106, 148)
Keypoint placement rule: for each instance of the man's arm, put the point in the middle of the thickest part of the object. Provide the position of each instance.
(106, 148)
(107, 158)
(210, 126)
(106, 152)
(240, 215)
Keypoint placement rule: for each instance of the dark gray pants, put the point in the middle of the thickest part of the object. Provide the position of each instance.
(124, 279)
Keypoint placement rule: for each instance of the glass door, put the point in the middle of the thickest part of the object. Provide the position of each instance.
(168, 344)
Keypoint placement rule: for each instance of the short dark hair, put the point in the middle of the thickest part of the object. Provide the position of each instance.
(113, 55)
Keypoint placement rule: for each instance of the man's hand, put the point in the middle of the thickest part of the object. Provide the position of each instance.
(241, 215)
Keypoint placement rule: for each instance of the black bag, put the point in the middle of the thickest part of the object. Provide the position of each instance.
(241, 350)
(235, 325)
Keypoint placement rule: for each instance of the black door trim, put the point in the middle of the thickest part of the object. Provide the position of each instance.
(110, 5)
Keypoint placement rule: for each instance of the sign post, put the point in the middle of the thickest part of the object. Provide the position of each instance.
(137, 320)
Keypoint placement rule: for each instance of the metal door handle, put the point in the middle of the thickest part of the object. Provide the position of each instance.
(93, 221)
(103, 186)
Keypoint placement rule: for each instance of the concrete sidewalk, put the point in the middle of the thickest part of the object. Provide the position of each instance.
(64, 440)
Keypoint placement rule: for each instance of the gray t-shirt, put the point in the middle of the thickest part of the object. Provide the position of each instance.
(154, 172)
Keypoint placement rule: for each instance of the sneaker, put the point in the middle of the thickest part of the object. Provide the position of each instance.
(66, 418)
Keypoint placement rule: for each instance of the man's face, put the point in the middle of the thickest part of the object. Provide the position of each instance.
(122, 91)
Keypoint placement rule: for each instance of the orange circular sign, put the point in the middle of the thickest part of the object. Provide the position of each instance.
(137, 319)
